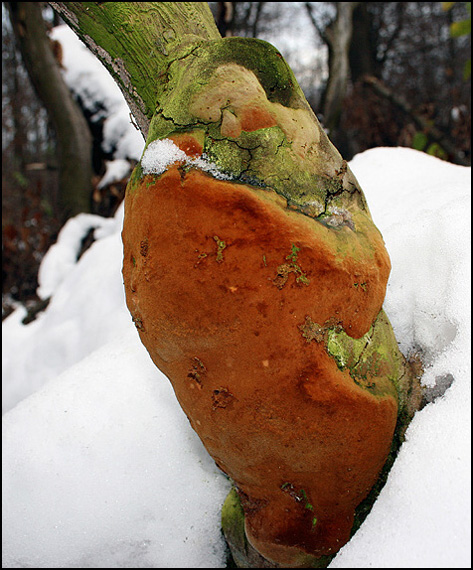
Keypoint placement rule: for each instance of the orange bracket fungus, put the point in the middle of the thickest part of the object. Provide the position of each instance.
(256, 278)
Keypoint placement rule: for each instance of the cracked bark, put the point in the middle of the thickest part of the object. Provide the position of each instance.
(173, 34)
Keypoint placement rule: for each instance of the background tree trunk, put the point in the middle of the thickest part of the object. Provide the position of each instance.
(338, 36)
(225, 18)
(425, 126)
(362, 52)
(73, 135)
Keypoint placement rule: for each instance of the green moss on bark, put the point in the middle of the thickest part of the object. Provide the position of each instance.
(293, 156)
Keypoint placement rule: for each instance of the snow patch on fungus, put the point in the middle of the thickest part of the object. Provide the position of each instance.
(338, 217)
(162, 153)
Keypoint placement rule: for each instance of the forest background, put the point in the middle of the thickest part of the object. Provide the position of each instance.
(375, 73)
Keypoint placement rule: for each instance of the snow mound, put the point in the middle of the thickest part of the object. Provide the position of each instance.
(102, 470)
(87, 308)
(62, 256)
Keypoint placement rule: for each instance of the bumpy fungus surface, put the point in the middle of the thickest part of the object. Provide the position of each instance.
(260, 298)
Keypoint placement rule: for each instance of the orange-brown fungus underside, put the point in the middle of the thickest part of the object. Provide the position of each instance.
(303, 443)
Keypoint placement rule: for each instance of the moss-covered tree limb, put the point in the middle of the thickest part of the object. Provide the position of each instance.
(136, 41)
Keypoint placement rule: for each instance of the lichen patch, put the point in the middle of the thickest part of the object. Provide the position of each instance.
(312, 331)
(221, 245)
(285, 269)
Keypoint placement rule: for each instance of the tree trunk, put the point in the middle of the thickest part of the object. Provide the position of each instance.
(255, 277)
(73, 136)
(19, 130)
(225, 18)
(339, 35)
(362, 51)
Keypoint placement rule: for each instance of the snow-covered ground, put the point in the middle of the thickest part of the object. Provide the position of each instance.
(101, 468)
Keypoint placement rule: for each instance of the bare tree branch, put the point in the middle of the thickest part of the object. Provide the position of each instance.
(423, 124)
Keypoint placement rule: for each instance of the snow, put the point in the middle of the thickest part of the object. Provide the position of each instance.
(422, 519)
(115, 170)
(86, 310)
(62, 256)
(102, 471)
(160, 154)
(101, 468)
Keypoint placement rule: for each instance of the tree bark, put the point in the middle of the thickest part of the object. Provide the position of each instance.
(74, 141)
